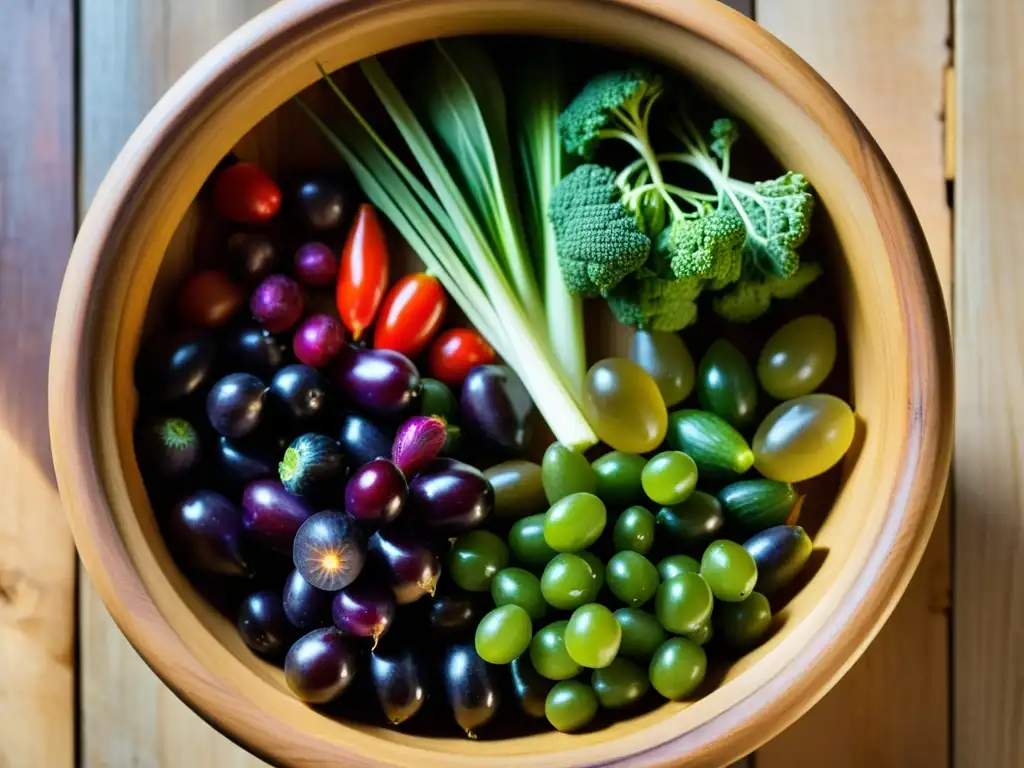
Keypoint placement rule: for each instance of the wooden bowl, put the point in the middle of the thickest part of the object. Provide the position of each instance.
(899, 358)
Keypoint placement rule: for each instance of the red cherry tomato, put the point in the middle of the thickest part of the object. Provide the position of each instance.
(412, 312)
(209, 299)
(363, 276)
(244, 193)
(456, 352)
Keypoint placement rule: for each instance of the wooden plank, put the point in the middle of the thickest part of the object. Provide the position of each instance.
(131, 52)
(37, 223)
(988, 720)
(886, 58)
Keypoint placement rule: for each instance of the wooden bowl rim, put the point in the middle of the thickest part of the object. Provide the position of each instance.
(766, 710)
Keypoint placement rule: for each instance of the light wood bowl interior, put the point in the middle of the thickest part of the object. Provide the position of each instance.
(138, 240)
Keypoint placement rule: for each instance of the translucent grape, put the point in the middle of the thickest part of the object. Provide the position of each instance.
(570, 706)
(665, 357)
(677, 668)
(642, 635)
(624, 405)
(526, 540)
(669, 478)
(476, 557)
(804, 437)
(619, 684)
(548, 654)
(514, 586)
(798, 357)
(593, 636)
(503, 634)
(568, 582)
(575, 522)
(634, 531)
(683, 603)
(618, 478)
(729, 570)
(673, 565)
(565, 472)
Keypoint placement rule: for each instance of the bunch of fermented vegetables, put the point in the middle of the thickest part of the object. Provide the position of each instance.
(381, 523)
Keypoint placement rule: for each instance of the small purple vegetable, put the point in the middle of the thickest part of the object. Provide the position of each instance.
(176, 366)
(496, 408)
(313, 465)
(272, 516)
(235, 404)
(364, 440)
(318, 340)
(406, 562)
(277, 303)
(300, 392)
(262, 623)
(379, 382)
(399, 680)
(376, 492)
(238, 463)
(450, 497)
(167, 448)
(418, 442)
(315, 265)
(364, 610)
(320, 666)
(306, 606)
(205, 530)
(252, 350)
(328, 551)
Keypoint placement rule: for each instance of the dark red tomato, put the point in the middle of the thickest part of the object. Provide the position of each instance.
(456, 352)
(244, 193)
(363, 276)
(412, 312)
(209, 299)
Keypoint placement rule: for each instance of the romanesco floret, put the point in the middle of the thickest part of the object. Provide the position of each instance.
(708, 246)
(608, 104)
(750, 298)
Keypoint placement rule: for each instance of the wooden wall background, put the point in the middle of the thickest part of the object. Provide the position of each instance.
(75, 79)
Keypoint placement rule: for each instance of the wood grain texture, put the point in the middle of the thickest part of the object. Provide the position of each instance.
(988, 722)
(892, 708)
(37, 221)
(131, 53)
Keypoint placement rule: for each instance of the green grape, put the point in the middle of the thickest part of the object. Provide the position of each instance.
(568, 582)
(741, 625)
(518, 491)
(664, 355)
(625, 407)
(804, 437)
(575, 522)
(798, 357)
(618, 478)
(669, 478)
(475, 558)
(683, 603)
(703, 635)
(564, 472)
(597, 567)
(514, 586)
(677, 668)
(548, 654)
(503, 634)
(570, 705)
(693, 524)
(641, 633)
(632, 578)
(619, 684)
(729, 570)
(726, 384)
(634, 531)
(673, 565)
(526, 540)
(593, 636)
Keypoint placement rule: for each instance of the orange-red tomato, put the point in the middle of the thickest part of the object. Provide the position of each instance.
(209, 299)
(412, 312)
(456, 352)
(363, 276)
(244, 193)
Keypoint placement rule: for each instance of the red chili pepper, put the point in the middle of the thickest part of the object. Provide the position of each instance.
(456, 352)
(412, 312)
(363, 276)
(244, 193)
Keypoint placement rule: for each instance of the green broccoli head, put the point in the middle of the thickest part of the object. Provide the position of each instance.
(655, 299)
(602, 104)
(724, 133)
(750, 298)
(708, 246)
(597, 239)
(779, 215)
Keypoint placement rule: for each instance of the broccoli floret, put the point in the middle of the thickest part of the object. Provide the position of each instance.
(778, 217)
(611, 105)
(708, 246)
(655, 299)
(750, 298)
(597, 239)
(724, 133)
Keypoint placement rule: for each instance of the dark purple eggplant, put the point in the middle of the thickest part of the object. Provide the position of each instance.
(205, 530)
(239, 463)
(780, 553)
(329, 551)
(320, 666)
(313, 465)
(318, 203)
(364, 610)
(530, 688)
(470, 686)
(450, 497)
(167, 448)
(251, 257)
(300, 394)
(263, 624)
(454, 616)
(379, 382)
(376, 492)
(363, 440)
(253, 350)
(496, 409)
(235, 404)
(399, 681)
(272, 516)
(306, 606)
(406, 562)
(177, 366)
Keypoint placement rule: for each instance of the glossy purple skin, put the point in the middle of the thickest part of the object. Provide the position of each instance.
(496, 408)
(318, 340)
(418, 442)
(306, 606)
(471, 687)
(272, 516)
(167, 448)
(363, 440)
(276, 303)
(315, 265)
(205, 530)
(399, 682)
(251, 257)
(176, 366)
(239, 464)
(450, 497)
(364, 609)
(234, 405)
(404, 561)
(317, 202)
(320, 665)
(379, 382)
(263, 624)
(376, 492)
(253, 350)
(456, 615)
(329, 535)
(300, 392)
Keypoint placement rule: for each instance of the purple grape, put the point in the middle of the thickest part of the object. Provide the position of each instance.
(318, 340)
(315, 265)
(300, 392)
(176, 366)
(306, 606)
(235, 404)
(380, 382)
(167, 448)
(364, 610)
(205, 529)
(406, 562)
(263, 624)
(450, 497)
(399, 681)
(376, 492)
(317, 202)
(329, 551)
(272, 516)
(253, 350)
(251, 257)
(418, 442)
(238, 464)
(456, 615)
(320, 666)
(496, 408)
(363, 440)
(277, 303)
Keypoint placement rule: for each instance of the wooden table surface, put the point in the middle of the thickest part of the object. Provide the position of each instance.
(75, 79)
